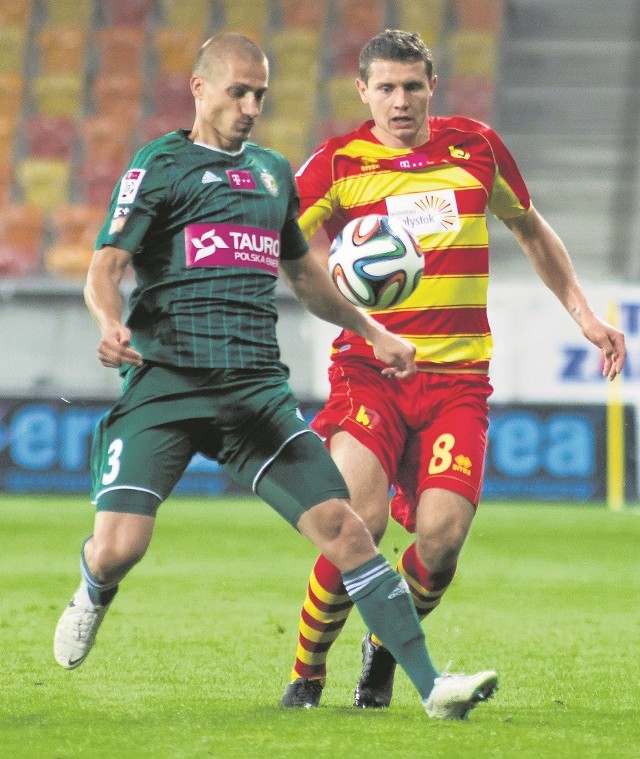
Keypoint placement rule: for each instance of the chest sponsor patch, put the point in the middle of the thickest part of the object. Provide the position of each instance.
(232, 245)
(426, 213)
(241, 179)
(130, 185)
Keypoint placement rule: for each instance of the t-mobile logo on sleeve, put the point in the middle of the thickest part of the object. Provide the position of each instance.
(232, 245)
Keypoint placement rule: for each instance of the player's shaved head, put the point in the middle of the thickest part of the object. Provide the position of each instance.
(215, 52)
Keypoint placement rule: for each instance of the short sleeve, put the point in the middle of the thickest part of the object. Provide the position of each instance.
(136, 200)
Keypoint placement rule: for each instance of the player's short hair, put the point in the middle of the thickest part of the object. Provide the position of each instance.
(217, 48)
(395, 45)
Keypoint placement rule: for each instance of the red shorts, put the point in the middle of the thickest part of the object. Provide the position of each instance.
(428, 431)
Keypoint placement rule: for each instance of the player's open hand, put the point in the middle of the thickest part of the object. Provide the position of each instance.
(114, 348)
(611, 343)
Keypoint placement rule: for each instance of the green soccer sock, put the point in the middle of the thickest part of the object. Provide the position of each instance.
(384, 601)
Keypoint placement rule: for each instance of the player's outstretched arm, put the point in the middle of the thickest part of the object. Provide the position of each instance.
(311, 284)
(102, 296)
(550, 258)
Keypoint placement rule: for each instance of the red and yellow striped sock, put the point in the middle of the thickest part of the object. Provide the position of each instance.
(427, 588)
(323, 615)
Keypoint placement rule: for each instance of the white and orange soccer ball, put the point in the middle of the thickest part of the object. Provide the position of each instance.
(375, 262)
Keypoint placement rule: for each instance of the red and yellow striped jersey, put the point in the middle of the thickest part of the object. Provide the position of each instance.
(441, 191)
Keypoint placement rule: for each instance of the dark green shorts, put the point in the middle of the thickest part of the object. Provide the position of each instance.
(247, 421)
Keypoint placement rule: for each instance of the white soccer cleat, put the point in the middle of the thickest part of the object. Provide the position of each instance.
(454, 696)
(77, 629)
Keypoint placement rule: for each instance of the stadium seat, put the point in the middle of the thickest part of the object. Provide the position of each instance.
(97, 182)
(246, 15)
(77, 223)
(158, 125)
(121, 50)
(62, 49)
(58, 94)
(471, 96)
(8, 128)
(292, 96)
(128, 12)
(288, 135)
(487, 15)
(103, 140)
(473, 53)
(6, 182)
(50, 136)
(307, 14)
(365, 16)
(69, 261)
(12, 48)
(172, 97)
(11, 95)
(344, 99)
(44, 181)
(186, 15)
(75, 230)
(119, 96)
(346, 44)
(327, 128)
(426, 17)
(176, 48)
(296, 50)
(21, 236)
(69, 12)
(15, 12)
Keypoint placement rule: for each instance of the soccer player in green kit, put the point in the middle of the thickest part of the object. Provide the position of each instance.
(207, 220)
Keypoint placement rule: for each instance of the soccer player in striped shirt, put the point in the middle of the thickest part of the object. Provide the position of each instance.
(425, 436)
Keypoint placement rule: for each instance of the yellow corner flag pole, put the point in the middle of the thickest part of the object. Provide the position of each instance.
(615, 434)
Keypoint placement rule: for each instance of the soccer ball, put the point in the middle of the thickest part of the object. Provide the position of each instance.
(375, 262)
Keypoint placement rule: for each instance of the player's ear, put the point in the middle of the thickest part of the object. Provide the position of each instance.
(432, 83)
(362, 90)
(196, 83)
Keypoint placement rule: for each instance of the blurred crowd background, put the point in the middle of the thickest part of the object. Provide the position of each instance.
(83, 83)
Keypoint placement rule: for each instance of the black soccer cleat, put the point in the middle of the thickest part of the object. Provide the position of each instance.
(302, 694)
(375, 685)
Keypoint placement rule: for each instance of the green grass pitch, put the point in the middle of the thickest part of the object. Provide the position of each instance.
(193, 657)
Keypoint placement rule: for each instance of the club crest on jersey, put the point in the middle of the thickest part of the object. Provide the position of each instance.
(269, 182)
(130, 185)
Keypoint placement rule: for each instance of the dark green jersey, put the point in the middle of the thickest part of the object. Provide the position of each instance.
(206, 230)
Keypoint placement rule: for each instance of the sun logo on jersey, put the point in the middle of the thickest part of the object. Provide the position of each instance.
(442, 214)
(207, 244)
(269, 182)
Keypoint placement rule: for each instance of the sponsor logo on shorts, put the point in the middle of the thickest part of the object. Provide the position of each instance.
(130, 185)
(367, 418)
(232, 245)
(462, 464)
